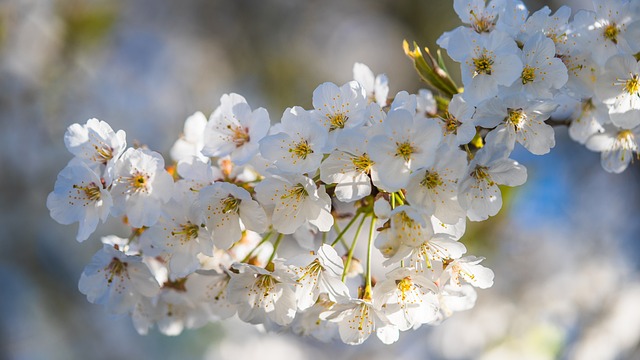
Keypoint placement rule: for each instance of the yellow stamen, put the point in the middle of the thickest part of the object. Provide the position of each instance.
(451, 123)
(337, 121)
(611, 32)
(516, 117)
(482, 24)
(230, 204)
(632, 85)
(362, 163)
(312, 269)
(528, 74)
(240, 135)
(189, 230)
(481, 173)
(431, 180)
(105, 153)
(91, 191)
(116, 268)
(302, 149)
(297, 191)
(404, 150)
(405, 285)
(483, 64)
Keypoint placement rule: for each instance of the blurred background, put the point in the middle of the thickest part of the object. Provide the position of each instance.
(565, 248)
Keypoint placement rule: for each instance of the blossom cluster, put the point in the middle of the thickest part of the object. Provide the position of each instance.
(518, 70)
(263, 220)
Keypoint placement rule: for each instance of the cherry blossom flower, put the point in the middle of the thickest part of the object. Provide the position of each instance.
(409, 298)
(479, 192)
(141, 186)
(295, 200)
(117, 280)
(405, 144)
(235, 130)
(79, 195)
(260, 294)
(96, 144)
(191, 142)
(298, 147)
(376, 87)
(619, 88)
(228, 208)
(318, 274)
(350, 167)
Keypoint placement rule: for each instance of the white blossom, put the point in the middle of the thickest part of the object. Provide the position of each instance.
(235, 130)
(96, 144)
(406, 144)
(316, 274)
(228, 208)
(479, 192)
(408, 298)
(117, 280)
(376, 86)
(515, 118)
(181, 234)
(298, 147)
(295, 200)
(191, 142)
(260, 294)
(350, 167)
(619, 88)
(79, 196)
(617, 147)
(337, 108)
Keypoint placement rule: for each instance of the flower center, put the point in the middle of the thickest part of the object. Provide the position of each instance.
(116, 268)
(337, 121)
(138, 182)
(451, 123)
(188, 230)
(405, 219)
(266, 283)
(297, 192)
(405, 285)
(626, 139)
(302, 149)
(91, 191)
(483, 64)
(431, 180)
(632, 85)
(481, 173)
(404, 150)
(312, 270)
(516, 117)
(481, 23)
(230, 204)
(557, 38)
(105, 153)
(239, 135)
(177, 285)
(611, 32)
(364, 317)
(528, 74)
(362, 163)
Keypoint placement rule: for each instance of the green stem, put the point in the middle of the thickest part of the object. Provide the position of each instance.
(336, 228)
(264, 240)
(347, 263)
(367, 288)
(275, 248)
(398, 198)
(335, 242)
